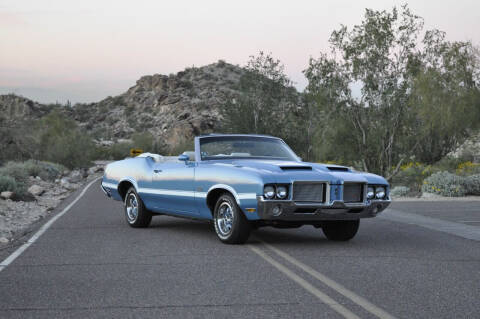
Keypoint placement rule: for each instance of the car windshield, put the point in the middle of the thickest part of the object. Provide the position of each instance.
(245, 147)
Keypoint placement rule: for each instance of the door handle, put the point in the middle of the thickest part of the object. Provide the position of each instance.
(157, 171)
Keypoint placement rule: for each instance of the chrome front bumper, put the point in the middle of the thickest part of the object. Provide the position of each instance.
(106, 191)
(338, 210)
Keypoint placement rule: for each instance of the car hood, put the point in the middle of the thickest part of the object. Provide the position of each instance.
(289, 171)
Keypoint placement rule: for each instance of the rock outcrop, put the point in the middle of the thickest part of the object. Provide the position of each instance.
(173, 108)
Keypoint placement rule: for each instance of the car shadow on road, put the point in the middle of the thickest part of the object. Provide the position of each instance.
(204, 229)
(290, 236)
(200, 228)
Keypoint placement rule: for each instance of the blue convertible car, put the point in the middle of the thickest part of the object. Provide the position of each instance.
(243, 182)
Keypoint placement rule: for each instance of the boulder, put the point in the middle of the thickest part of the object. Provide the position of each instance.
(6, 195)
(36, 190)
(65, 183)
(95, 169)
(4, 240)
(75, 176)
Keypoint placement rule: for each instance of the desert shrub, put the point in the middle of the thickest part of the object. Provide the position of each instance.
(118, 100)
(445, 184)
(20, 171)
(449, 164)
(7, 183)
(128, 110)
(17, 171)
(399, 191)
(412, 175)
(45, 170)
(472, 184)
(468, 168)
(115, 151)
(182, 146)
(62, 142)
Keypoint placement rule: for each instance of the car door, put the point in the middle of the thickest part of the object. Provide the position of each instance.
(173, 187)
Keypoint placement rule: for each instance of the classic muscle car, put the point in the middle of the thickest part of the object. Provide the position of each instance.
(242, 182)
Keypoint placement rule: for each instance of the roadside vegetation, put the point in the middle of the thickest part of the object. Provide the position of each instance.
(451, 177)
(389, 97)
(14, 176)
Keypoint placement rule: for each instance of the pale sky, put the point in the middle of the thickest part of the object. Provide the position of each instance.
(86, 50)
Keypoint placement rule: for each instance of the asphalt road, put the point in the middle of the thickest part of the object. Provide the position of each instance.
(89, 263)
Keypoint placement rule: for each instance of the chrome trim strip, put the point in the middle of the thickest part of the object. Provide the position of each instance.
(247, 196)
(166, 192)
(109, 185)
(170, 192)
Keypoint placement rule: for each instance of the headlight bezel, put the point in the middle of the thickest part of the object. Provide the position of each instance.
(271, 190)
(281, 192)
(276, 194)
(370, 192)
(379, 192)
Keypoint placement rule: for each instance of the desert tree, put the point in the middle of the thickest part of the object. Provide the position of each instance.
(367, 81)
(262, 101)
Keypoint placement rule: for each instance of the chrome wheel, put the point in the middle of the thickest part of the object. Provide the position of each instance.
(131, 204)
(225, 219)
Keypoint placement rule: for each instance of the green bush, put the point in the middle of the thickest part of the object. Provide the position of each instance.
(45, 170)
(182, 146)
(412, 175)
(445, 184)
(20, 171)
(17, 171)
(62, 142)
(449, 164)
(468, 168)
(116, 151)
(7, 183)
(399, 191)
(472, 184)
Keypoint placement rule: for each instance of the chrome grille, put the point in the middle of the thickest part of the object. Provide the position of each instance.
(353, 193)
(308, 192)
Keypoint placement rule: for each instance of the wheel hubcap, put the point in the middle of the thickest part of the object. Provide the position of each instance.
(132, 207)
(225, 219)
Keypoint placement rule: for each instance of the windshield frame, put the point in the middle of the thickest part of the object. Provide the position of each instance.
(198, 144)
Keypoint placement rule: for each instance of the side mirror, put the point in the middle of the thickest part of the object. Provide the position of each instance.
(184, 158)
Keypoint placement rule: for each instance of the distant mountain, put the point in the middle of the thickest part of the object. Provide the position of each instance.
(172, 107)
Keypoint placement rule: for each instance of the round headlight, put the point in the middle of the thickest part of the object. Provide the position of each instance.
(380, 192)
(281, 192)
(269, 192)
(370, 192)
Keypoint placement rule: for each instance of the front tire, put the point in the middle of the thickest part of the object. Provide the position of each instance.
(136, 214)
(340, 230)
(230, 224)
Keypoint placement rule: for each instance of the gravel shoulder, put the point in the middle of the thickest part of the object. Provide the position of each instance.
(18, 218)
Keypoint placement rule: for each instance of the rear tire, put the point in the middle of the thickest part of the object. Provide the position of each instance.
(136, 214)
(231, 226)
(340, 230)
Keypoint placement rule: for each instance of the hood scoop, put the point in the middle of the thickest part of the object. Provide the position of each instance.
(338, 168)
(296, 168)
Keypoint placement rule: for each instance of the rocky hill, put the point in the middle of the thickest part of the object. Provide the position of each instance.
(14, 109)
(171, 107)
